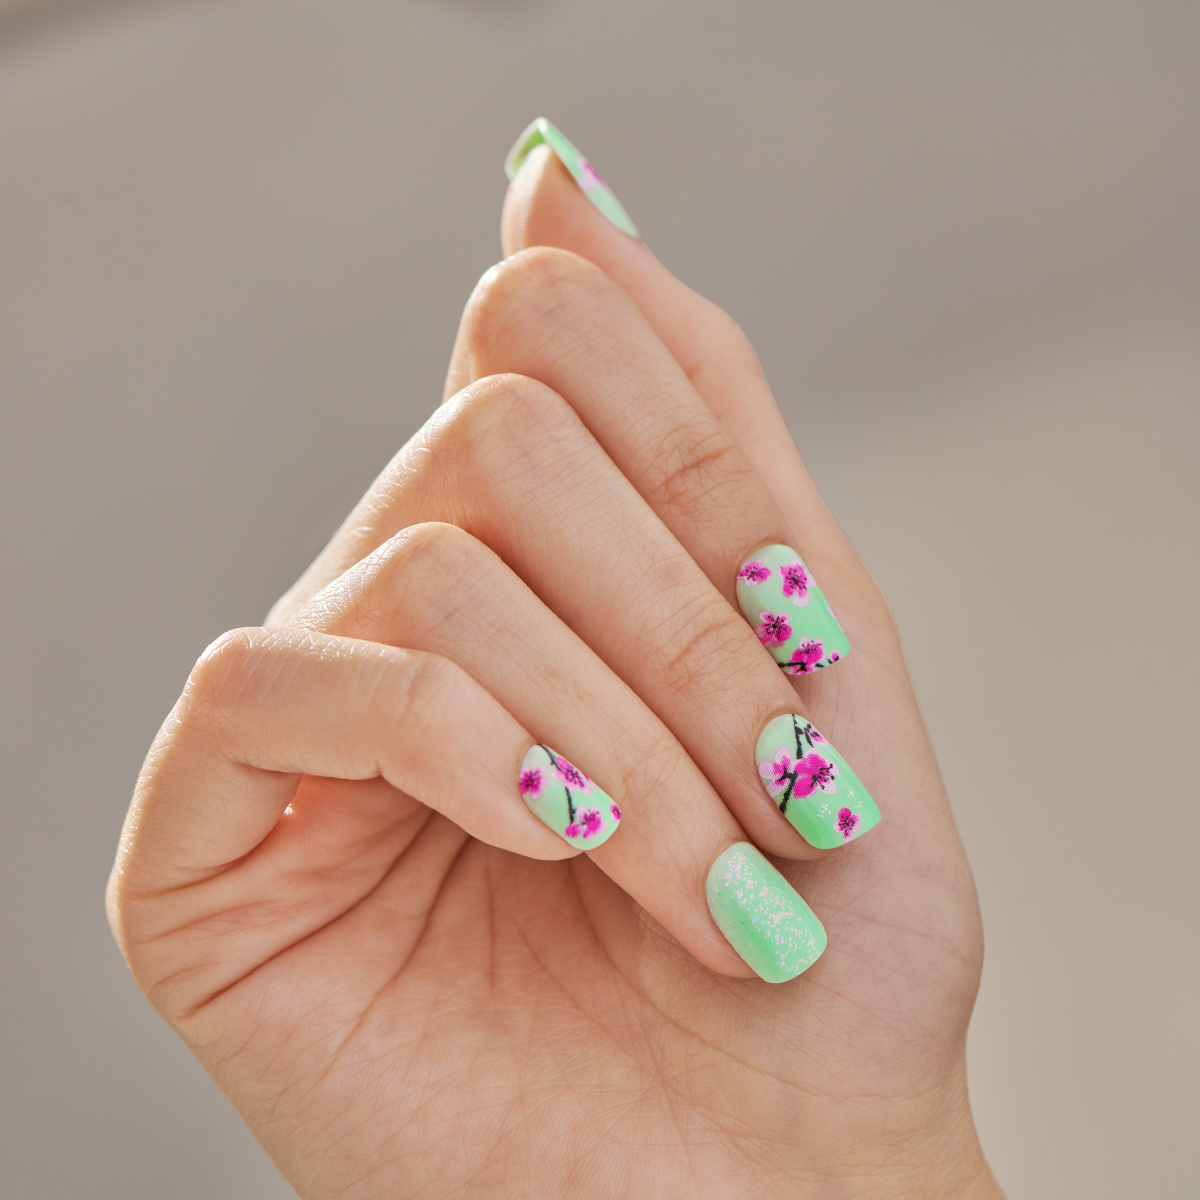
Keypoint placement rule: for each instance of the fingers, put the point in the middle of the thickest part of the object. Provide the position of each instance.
(437, 588)
(287, 782)
(511, 463)
(545, 207)
(264, 707)
(557, 318)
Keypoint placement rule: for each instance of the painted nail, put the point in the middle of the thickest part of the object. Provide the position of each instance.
(818, 793)
(564, 798)
(582, 171)
(762, 916)
(790, 614)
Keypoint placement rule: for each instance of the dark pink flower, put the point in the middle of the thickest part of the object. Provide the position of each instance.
(776, 772)
(531, 783)
(616, 812)
(795, 582)
(805, 657)
(572, 776)
(591, 177)
(587, 822)
(753, 573)
(815, 773)
(773, 629)
(847, 822)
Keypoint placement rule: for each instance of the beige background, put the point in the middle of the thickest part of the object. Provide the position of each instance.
(234, 241)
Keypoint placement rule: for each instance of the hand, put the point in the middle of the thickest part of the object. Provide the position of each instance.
(407, 985)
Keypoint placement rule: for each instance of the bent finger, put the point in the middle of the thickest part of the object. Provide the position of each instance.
(262, 708)
(438, 588)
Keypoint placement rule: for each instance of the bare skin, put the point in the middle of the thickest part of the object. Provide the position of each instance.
(408, 995)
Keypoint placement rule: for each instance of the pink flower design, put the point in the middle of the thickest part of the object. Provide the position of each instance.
(795, 582)
(572, 776)
(833, 654)
(587, 822)
(847, 822)
(777, 772)
(589, 176)
(531, 783)
(815, 773)
(805, 657)
(616, 812)
(773, 629)
(753, 573)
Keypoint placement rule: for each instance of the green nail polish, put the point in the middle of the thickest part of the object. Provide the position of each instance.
(812, 784)
(564, 798)
(584, 174)
(762, 916)
(790, 614)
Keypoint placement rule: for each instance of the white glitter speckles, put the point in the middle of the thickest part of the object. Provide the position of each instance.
(762, 916)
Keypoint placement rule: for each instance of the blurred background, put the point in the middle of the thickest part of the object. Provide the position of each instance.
(235, 239)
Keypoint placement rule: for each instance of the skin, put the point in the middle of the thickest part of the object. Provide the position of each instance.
(407, 986)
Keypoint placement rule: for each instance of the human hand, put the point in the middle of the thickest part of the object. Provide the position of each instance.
(327, 883)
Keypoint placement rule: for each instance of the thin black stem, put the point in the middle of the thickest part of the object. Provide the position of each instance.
(570, 801)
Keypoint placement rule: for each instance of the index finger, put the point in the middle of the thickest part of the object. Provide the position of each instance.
(546, 207)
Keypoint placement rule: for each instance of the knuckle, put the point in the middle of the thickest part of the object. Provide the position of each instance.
(508, 430)
(501, 411)
(221, 667)
(695, 460)
(693, 655)
(402, 580)
(539, 281)
(434, 554)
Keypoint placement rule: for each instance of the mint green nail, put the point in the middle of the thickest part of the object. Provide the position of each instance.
(564, 798)
(584, 174)
(812, 784)
(790, 614)
(762, 916)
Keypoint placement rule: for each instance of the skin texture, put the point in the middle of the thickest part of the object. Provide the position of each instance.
(398, 1008)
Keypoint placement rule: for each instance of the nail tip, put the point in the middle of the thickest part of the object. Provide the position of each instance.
(540, 130)
(523, 145)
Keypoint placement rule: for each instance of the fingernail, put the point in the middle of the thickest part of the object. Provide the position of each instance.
(790, 614)
(762, 916)
(584, 174)
(564, 798)
(811, 783)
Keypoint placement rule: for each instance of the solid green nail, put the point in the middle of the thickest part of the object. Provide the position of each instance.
(582, 171)
(812, 783)
(762, 916)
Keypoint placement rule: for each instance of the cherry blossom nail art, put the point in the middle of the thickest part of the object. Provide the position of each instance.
(788, 611)
(582, 171)
(811, 783)
(564, 798)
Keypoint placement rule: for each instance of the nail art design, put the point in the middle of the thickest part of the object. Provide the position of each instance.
(811, 783)
(762, 916)
(790, 614)
(564, 798)
(582, 171)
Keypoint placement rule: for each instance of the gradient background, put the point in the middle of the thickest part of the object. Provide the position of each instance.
(235, 238)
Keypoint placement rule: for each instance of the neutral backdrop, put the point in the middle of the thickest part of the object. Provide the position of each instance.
(235, 239)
